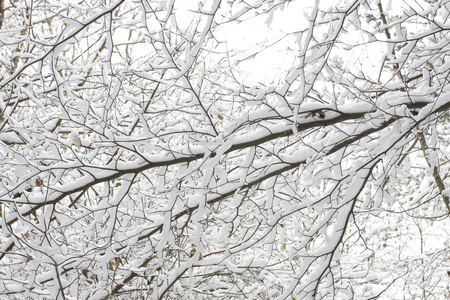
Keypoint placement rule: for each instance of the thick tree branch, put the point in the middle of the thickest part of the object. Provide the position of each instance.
(437, 177)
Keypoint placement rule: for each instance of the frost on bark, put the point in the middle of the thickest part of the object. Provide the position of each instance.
(140, 159)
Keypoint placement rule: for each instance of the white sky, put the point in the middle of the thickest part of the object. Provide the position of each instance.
(244, 38)
(268, 64)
